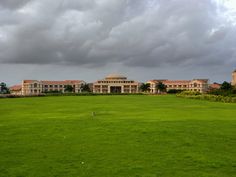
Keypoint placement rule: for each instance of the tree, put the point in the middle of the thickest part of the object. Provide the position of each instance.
(85, 88)
(226, 86)
(161, 87)
(3, 88)
(69, 88)
(144, 87)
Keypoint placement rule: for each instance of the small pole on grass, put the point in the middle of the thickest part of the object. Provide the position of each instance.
(93, 114)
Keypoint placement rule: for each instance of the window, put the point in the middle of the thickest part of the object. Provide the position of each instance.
(50, 86)
(46, 86)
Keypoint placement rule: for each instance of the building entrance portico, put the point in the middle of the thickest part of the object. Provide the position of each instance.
(115, 83)
(115, 89)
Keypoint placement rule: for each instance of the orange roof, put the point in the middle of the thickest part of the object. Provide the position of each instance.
(28, 81)
(157, 80)
(54, 82)
(178, 81)
(15, 88)
(215, 86)
(74, 81)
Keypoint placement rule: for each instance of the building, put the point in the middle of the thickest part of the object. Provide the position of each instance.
(115, 83)
(32, 87)
(200, 85)
(233, 78)
(16, 90)
(214, 86)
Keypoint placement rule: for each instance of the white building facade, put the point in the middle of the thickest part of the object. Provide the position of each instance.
(115, 83)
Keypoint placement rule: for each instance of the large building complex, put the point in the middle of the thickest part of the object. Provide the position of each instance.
(113, 83)
(200, 85)
(34, 87)
(116, 83)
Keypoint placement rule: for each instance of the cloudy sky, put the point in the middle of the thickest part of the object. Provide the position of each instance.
(142, 39)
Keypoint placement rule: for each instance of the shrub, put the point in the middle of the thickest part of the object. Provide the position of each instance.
(174, 91)
(189, 93)
(218, 98)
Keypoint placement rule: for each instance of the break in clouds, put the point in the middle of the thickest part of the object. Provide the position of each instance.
(134, 33)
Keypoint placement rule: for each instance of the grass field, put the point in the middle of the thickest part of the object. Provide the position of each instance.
(129, 136)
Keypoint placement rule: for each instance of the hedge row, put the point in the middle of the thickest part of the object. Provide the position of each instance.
(66, 94)
(218, 98)
(20, 96)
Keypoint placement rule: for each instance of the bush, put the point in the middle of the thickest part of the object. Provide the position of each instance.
(174, 91)
(189, 93)
(218, 98)
(21, 96)
(67, 94)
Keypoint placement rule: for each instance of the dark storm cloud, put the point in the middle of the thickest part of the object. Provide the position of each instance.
(13, 4)
(147, 33)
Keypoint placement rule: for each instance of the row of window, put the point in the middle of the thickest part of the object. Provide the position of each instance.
(106, 82)
(48, 86)
(185, 86)
(106, 91)
(45, 90)
(106, 86)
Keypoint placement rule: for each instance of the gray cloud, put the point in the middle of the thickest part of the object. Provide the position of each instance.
(13, 4)
(134, 33)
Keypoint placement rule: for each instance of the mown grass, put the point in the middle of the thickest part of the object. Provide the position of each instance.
(129, 136)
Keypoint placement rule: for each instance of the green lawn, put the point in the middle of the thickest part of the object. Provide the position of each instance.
(130, 136)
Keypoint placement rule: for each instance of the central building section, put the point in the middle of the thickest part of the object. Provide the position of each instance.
(115, 83)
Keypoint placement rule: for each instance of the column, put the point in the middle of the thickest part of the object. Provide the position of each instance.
(122, 89)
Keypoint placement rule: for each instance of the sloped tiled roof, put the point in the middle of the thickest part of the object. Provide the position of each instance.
(29, 81)
(157, 80)
(15, 88)
(215, 86)
(55, 82)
